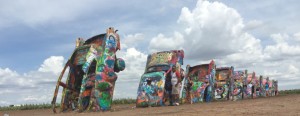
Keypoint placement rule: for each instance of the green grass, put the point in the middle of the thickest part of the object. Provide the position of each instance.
(124, 101)
(27, 107)
(286, 92)
(48, 106)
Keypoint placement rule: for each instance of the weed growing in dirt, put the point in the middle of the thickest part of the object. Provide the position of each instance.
(286, 92)
(124, 101)
(27, 107)
(48, 106)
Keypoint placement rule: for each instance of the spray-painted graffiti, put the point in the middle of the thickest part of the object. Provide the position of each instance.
(154, 84)
(256, 86)
(224, 76)
(92, 76)
(272, 88)
(151, 90)
(199, 83)
(105, 75)
(263, 86)
(237, 90)
(276, 87)
(251, 85)
(267, 87)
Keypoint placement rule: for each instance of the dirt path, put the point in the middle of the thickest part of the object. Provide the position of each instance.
(276, 106)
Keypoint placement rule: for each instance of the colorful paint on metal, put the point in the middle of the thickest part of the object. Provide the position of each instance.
(256, 86)
(199, 83)
(268, 86)
(151, 90)
(151, 94)
(223, 89)
(237, 90)
(272, 87)
(276, 87)
(251, 85)
(92, 75)
(262, 87)
(91, 79)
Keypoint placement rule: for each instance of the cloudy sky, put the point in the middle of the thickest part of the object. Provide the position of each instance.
(38, 36)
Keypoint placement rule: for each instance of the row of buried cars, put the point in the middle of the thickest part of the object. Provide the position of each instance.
(91, 74)
(200, 83)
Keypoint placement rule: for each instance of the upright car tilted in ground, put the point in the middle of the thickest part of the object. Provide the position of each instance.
(91, 78)
(251, 84)
(224, 76)
(199, 83)
(151, 90)
(263, 86)
(238, 84)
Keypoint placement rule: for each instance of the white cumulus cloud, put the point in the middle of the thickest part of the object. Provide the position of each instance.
(297, 36)
(217, 31)
(53, 64)
(213, 30)
(161, 43)
(35, 86)
(128, 80)
(131, 40)
(284, 48)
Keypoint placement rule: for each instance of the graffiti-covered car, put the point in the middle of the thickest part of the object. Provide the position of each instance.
(264, 86)
(92, 74)
(276, 87)
(238, 84)
(151, 90)
(199, 83)
(272, 88)
(251, 84)
(224, 76)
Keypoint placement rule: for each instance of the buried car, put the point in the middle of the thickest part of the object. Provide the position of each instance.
(237, 84)
(251, 83)
(199, 83)
(91, 78)
(151, 90)
(263, 86)
(275, 88)
(224, 76)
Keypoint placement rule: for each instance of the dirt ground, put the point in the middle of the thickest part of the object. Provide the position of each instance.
(287, 105)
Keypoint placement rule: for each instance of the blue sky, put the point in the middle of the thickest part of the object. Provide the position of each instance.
(38, 36)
